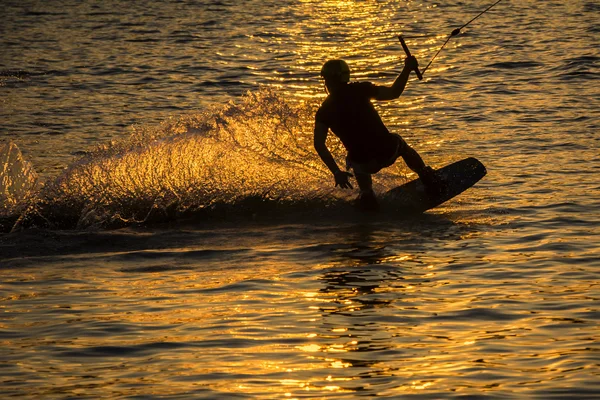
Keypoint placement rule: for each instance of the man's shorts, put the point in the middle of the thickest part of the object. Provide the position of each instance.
(375, 165)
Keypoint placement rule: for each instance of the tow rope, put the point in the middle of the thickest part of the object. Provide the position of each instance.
(455, 32)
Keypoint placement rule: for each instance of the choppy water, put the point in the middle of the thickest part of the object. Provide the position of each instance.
(255, 279)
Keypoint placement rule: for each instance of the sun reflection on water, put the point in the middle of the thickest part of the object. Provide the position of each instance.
(371, 318)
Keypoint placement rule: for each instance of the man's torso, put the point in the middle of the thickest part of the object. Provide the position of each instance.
(351, 117)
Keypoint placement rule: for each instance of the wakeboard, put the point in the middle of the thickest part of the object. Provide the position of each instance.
(457, 177)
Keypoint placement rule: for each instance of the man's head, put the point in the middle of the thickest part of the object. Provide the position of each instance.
(335, 73)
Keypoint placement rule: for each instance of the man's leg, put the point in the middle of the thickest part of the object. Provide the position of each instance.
(414, 161)
(364, 180)
(366, 200)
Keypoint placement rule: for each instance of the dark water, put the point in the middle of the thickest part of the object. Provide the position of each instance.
(255, 279)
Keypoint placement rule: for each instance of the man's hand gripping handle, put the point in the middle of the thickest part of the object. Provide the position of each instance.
(407, 51)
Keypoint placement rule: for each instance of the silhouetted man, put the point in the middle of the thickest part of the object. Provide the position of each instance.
(348, 112)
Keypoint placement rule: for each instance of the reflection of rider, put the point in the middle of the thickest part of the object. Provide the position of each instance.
(348, 112)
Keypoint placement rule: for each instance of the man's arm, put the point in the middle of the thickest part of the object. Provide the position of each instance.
(394, 91)
(341, 177)
(321, 148)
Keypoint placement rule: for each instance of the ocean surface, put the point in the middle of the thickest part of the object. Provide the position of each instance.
(170, 233)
